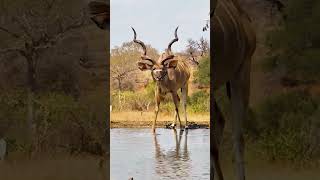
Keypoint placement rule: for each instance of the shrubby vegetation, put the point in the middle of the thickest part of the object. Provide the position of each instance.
(202, 75)
(62, 123)
(287, 127)
(198, 102)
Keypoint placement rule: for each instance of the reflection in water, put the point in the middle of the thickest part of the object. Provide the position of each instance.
(168, 154)
(174, 155)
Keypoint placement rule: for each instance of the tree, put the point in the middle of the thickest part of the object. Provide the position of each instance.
(202, 75)
(203, 46)
(123, 62)
(31, 27)
(192, 47)
(197, 48)
(295, 49)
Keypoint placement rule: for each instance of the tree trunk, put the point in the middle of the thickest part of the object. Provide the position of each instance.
(119, 94)
(30, 103)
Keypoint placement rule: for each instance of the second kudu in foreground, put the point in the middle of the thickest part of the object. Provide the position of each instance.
(234, 43)
(170, 74)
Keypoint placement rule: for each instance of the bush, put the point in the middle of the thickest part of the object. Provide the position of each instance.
(289, 126)
(61, 123)
(130, 100)
(199, 102)
(202, 75)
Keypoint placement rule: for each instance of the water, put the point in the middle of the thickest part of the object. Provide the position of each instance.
(169, 154)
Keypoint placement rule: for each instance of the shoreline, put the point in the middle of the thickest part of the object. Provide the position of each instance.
(134, 119)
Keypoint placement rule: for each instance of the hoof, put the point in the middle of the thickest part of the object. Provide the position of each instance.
(173, 126)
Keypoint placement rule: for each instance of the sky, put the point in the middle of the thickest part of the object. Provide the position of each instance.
(156, 20)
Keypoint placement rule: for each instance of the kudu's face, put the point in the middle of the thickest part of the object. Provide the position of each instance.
(166, 62)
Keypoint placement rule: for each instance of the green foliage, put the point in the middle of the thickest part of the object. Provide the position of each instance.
(167, 107)
(142, 100)
(12, 110)
(150, 89)
(129, 100)
(202, 75)
(199, 102)
(296, 44)
(288, 126)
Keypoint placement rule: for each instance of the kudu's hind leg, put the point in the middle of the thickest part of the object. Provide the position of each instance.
(184, 92)
(240, 87)
(214, 156)
(217, 122)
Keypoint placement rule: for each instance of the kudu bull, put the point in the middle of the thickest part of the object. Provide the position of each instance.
(233, 45)
(171, 74)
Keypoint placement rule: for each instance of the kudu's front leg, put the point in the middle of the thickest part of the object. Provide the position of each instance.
(157, 100)
(240, 88)
(176, 105)
(173, 125)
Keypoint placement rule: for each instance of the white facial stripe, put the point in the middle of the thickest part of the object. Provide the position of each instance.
(158, 70)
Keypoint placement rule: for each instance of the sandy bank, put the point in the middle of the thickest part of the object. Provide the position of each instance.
(134, 119)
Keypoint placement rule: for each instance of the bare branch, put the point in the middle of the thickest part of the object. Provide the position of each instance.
(22, 20)
(47, 42)
(15, 35)
(11, 50)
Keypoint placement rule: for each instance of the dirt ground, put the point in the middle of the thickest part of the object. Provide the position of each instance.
(135, 119)
(58, 167)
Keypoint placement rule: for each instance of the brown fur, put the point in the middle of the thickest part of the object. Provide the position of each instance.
(233, 43)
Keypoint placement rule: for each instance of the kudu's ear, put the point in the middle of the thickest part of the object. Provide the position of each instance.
(143, 66)
(100, 14)
(172, 63)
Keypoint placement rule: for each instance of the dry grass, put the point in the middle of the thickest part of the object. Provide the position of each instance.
(135, 119)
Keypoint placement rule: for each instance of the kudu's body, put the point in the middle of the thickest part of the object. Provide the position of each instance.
(170, 74)
(233, 45)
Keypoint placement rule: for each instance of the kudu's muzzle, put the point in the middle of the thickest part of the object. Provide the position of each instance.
(159, 74)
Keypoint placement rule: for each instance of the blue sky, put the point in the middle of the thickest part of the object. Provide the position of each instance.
(156, 20)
